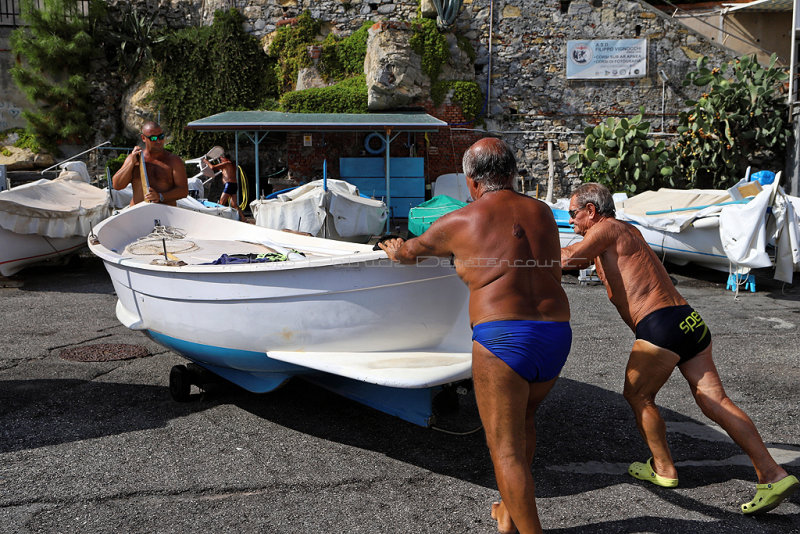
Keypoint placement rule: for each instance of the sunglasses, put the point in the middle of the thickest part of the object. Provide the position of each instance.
(573, 213)
(155, 138)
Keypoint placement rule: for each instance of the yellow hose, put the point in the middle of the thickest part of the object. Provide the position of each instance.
(243, 189)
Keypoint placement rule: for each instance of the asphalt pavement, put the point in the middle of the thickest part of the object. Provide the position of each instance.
(102, 447)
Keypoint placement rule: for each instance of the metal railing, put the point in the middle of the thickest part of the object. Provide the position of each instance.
(9, 13)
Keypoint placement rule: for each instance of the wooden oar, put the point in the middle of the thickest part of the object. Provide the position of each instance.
(143, 174)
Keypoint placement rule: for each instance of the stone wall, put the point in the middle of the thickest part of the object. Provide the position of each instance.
(530, 101)
(12, 101)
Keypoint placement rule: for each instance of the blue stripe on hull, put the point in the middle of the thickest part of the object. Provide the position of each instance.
(253, 371)
(265, 374)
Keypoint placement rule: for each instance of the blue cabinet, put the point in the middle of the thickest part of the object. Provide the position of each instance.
(406, 182)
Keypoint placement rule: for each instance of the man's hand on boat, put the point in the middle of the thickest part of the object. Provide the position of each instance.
(391, 246)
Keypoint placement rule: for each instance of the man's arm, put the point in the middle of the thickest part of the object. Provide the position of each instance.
(180, 183)
(581, 254)
(434, 242)
(125, 174)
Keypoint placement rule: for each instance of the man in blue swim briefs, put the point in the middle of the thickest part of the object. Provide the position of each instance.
(506, 249)
(669, 333)
(230, 186)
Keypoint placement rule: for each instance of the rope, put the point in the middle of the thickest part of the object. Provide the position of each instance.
(467, 433)
(162, 236)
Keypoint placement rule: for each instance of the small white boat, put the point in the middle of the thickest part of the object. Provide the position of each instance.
(334, 312)
(47, 219)
(326, 208)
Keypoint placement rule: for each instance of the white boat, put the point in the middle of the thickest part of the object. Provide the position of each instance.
(339, 313)
(326, 208)
(720, 230)
(47, 219)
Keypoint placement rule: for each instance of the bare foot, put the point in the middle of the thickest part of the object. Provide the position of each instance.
(504, 523)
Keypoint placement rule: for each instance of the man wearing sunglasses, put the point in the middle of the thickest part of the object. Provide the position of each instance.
(669, 334)
(165, 172)
(506, 250)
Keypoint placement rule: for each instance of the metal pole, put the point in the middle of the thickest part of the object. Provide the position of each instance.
(236, 170)
(489, 77)
(4, 179)
(387, 155)
(75, 156)
(551, 172)
(256, 140)
(793, 116)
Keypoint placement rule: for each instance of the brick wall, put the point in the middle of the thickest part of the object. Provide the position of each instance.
(442, 150)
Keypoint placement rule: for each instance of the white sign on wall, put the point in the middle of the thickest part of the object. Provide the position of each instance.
(608, 58)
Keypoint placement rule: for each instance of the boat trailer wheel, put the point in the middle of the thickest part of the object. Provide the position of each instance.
(180, 383)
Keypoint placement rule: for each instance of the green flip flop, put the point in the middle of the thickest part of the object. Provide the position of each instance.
(645, 471)
(768, 496)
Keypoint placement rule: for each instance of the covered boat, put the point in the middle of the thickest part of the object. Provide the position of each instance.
(421, 217)
(337, 313)
(326, 208)
(47, 219)
(121, 199)
(721, 230)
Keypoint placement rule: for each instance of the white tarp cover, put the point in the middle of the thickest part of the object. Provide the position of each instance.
(745, 230)
(636, 208)
(303, 209)
(122, 199)
(64, 207)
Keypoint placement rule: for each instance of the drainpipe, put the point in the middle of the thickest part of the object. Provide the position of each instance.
(664, 78)
(489, 77)
(551, 172)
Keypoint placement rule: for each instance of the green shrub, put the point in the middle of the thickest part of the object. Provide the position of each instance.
(431, 45)
(290, 49)
(467, 95)
(619, 154)
(207, 70)
(57, 45)
(737, 122)
(28, 140)
(344, 57)
(348, 96)
(114, 164)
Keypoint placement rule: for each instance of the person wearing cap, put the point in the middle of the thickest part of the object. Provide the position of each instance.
(165, 172)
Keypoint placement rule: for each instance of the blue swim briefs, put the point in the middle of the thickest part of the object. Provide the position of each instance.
(536, 350)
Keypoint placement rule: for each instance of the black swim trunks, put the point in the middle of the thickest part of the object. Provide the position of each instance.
(231, 188)
(676, 328)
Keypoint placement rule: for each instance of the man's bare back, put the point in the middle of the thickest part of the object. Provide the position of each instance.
(506, 250)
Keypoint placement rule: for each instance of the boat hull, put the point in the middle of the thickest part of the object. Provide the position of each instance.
(18, 251)
(343, 299)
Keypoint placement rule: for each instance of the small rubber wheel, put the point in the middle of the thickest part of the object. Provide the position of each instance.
(180, 383)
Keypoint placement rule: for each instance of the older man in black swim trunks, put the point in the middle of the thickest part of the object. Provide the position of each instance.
(669, 333)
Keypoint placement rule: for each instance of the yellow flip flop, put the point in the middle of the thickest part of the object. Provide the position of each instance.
(769, 496)
(645, 471)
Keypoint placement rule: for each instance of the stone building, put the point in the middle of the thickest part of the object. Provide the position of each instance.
(521, 49)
